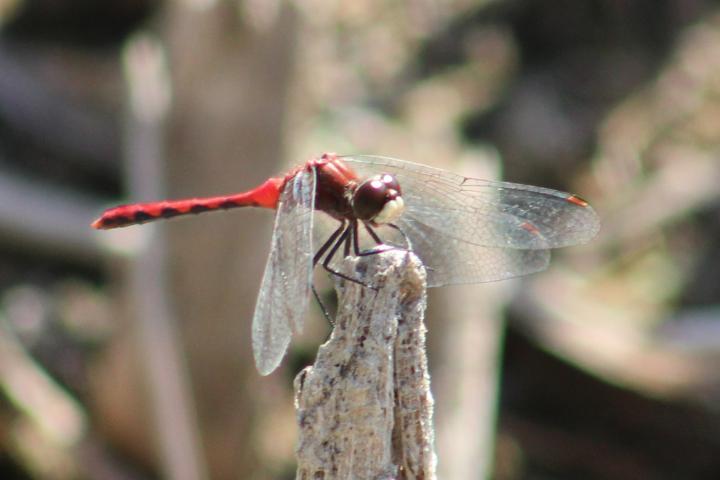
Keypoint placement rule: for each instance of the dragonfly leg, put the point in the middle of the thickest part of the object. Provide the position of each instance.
(408, 244)
(381, 246)
(344, 240)
(329, 242)
(323, 309)
(318, 255)
(338, 237)
(346, 247)
(355, 240)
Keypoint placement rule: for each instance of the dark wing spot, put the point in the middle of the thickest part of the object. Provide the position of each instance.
(580, 202)
(529, 227)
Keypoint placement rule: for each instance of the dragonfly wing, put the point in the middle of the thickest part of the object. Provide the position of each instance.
(451, 261)
(284, 292)
(483, 212)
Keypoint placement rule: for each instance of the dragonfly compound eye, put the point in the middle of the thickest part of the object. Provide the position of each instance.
(378, 199)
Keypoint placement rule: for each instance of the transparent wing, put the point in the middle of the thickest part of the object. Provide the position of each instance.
(468, 230)
(451, 261)
(284, 292)
(483, 212)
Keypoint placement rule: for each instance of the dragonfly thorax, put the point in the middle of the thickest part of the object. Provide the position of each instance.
(378, 199)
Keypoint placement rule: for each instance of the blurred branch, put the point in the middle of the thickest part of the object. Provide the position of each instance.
(465, 368)
(32, 105)
(232, 82)
(41, 217)
(685, 183)
(170, 393)
(596, 335)
(465, 363)
(365, 409)
(57, 422)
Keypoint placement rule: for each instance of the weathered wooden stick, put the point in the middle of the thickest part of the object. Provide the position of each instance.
(364, 408)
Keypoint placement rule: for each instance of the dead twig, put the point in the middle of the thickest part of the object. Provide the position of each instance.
(364, 408)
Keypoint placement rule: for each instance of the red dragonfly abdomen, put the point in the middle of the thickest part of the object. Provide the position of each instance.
(265, 196)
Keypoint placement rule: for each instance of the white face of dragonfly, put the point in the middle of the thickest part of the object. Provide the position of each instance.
(391, 211)
(378, 199)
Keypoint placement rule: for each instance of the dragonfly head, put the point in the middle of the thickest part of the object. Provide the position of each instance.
(378, 199)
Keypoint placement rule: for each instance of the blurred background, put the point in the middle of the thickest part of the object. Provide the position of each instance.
(126, 355)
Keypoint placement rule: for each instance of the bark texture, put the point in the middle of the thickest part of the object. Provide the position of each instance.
(364, 408)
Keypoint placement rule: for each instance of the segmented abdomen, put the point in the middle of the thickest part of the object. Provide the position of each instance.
(266, 196)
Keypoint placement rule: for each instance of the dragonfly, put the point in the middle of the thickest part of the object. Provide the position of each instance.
(464, 230)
